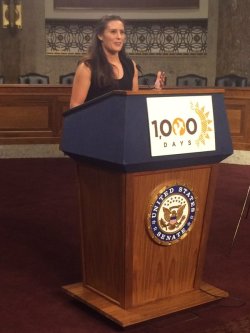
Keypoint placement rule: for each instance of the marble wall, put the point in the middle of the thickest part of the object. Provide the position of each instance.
(233, 55)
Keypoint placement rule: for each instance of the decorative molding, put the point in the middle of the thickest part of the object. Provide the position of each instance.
(128, 13)
(143, 38)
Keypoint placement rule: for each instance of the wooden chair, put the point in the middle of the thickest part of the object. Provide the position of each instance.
(66, 78)
(33, 78)
(191, 80)
(231, 80)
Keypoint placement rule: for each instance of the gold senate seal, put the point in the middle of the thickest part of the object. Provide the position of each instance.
(171, 214)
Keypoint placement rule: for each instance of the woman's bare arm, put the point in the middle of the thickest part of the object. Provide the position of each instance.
(81, 85)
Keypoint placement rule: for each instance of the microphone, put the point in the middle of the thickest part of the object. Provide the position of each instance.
(139, 69)
(145, 80)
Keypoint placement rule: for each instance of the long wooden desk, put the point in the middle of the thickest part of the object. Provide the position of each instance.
(237, 102)
(33, 113)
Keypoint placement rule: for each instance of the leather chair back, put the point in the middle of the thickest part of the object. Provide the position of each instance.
(191, 80)
(33, 78)
(66, 78)
(231, 80)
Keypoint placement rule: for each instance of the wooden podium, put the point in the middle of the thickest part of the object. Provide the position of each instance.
(142, 252)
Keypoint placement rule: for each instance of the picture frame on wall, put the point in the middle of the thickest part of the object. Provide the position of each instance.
(177, 4)
(127, 9)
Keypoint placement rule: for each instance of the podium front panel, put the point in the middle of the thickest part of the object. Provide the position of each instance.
(114, 131)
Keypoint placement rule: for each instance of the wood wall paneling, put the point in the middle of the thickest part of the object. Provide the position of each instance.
(31, 114)
(237, 103)
(236, 114)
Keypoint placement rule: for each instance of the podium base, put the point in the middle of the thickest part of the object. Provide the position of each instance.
(126, 317)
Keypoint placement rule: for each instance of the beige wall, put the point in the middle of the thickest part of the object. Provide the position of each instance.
(24, 51)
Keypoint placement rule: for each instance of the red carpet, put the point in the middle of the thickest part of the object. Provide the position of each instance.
(40, 252)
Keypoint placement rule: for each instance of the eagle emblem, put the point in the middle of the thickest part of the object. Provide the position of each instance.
(172, 217)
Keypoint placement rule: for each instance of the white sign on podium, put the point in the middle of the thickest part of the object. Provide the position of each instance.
(181, 124)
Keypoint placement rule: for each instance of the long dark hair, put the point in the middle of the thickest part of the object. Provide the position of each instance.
(101, 69)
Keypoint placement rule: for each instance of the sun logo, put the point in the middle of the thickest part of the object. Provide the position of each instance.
(205, 122)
